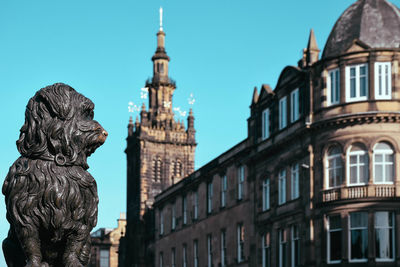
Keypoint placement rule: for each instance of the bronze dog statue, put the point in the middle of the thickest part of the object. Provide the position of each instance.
(50, 197)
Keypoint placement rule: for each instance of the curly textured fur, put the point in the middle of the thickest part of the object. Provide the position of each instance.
(51, 199)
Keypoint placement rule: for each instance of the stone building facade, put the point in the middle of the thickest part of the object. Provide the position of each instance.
(160, 152)
(317, 180)
(105, 244)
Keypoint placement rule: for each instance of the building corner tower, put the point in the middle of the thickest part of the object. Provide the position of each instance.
(160, 152)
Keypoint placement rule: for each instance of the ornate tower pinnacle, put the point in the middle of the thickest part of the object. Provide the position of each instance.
(161, 29)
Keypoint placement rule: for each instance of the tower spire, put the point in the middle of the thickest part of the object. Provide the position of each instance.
(311, 53)
(161, 13)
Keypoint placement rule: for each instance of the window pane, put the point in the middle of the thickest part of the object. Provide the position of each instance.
(389, 173)
(364, 173)
(387, 80)
(389, 158)
(359, 244)
(353, 82)
(335, 222)
(378, 157)
(353, 159)
(359, 235)
(384, 235)
(337, 87)
(380, 79)
(383, 146)
(353, 175)
(378, 173)
(336, 245)
(358, 219)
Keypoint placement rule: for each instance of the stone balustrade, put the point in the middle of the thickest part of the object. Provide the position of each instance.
(358, 192)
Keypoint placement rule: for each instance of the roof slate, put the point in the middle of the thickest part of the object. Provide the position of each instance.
(374, 22)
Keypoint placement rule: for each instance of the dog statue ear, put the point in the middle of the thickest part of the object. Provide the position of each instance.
(57, 99)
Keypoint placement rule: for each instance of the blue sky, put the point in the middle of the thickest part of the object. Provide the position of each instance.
(219, 51)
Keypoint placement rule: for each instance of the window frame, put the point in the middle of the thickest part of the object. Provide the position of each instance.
(184, 210)
(209, 197)
(161, 259)
(266, 250)
(196, 205)
(295, 181)
(294, 239)
(357, 78)
(282, 186)
(265, 124)
(295, 105)
(391, 229)
(223, 248)
(240, 242)
(184, 255)
(282, 261)
(333, 87)
(282, 112)
(195, 253)
(328, 239)
(104, 261)
(384, 163)
(173, 216)
(173, 257)
(161, 221)
(386, 81)
(349, 237)
(359, 154)
(240, 184)
(209, 251)
(266, 194)
(224, 189)
(333, 157)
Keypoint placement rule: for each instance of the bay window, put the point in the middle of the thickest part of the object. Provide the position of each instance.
(334, 239)
(384, 236)
(357, 165)
(383, 80)
(334, 168)
(358, 237)
(357, 82)
(333, 84)
(383, 163)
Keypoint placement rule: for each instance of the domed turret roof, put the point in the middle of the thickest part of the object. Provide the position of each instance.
(376, 23)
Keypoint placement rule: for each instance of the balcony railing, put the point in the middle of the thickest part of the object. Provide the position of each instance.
(357, 192)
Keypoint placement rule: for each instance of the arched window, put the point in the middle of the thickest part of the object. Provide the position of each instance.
(357, 165)
(334, 167)
(383, 163)
(157, 169)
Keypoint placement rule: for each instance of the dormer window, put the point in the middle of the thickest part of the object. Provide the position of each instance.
(265, 124)
(357, 83)
(294, 105)
(383, 80)
(282, 113)
(333, 83)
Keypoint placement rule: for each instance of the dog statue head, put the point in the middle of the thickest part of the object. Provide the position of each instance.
(59, 127)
